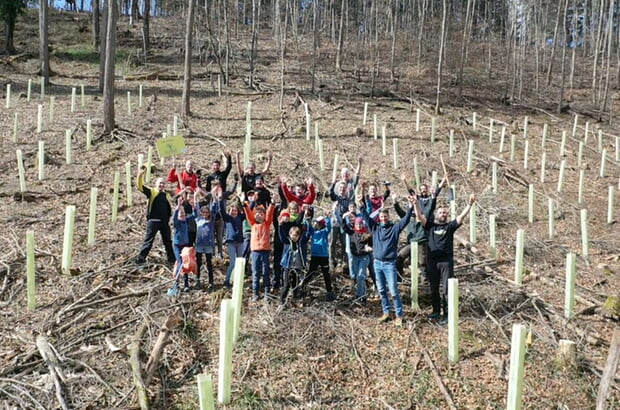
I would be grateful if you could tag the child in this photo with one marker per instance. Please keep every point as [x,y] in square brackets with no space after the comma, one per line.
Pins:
[234,238]
[180,240]
[294,257]
[319,251]
[260,221]
[361,251]
[205,236]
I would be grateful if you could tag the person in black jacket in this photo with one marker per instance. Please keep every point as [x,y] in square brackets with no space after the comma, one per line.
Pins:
[441,255]
[158,216]
[415,231]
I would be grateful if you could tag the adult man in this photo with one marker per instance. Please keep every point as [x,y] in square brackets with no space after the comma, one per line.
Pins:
[249,175]
[216,172]
[416,234]
[158,216]
[385,235]
[440,261]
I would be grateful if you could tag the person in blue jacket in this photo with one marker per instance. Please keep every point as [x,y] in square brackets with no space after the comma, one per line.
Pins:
[233,220]
[385,235]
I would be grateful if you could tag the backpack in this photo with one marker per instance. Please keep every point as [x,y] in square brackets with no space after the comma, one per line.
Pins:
[188,261]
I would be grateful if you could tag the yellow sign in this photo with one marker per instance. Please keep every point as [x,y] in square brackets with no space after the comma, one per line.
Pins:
[170,146]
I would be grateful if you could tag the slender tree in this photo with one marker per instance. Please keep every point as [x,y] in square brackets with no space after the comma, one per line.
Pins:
[146,22]
[108,83]
[9,10]
[44,51]
[340,36]
[187,72]
[95,22]
[442,45]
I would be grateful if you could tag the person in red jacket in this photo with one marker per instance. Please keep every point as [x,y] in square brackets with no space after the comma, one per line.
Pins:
[186,178]
[302,193]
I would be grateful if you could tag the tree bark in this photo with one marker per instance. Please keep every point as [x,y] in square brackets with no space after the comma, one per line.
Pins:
[108,82]
[44,51]
[442,44]
[95,22]
[340,36]
[146,27]
[102,47]
[187,73]
[9,29]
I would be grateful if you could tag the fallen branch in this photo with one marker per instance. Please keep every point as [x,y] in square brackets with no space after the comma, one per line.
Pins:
[51,359]
[610,370]
[436,375]
[162,340]
[136,368]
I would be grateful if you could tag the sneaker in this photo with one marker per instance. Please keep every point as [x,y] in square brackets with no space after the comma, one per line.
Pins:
[197,286]
[140,261]
[211,287]
[227,285]
[384,318]
[433,316]
[255,298]
[330,297]
[186,289]
[398,322]
[444,320]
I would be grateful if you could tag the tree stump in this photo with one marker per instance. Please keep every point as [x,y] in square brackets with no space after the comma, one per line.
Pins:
[566,355]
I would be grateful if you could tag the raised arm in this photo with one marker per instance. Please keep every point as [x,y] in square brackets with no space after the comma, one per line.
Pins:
[268,163]
[462,215]
[403,177]
[239,164]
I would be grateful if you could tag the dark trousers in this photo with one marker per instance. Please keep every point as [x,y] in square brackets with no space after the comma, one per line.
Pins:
[209,258]
[318,264]
[439,271]
[277,257]
[152,227]
[291,280]
[337,247]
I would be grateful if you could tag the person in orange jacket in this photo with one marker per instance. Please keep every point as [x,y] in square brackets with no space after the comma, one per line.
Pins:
[260,220]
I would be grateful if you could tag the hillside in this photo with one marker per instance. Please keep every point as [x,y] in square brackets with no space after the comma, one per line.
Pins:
[312,353]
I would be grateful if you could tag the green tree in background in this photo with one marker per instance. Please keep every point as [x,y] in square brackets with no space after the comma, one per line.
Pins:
[9,10]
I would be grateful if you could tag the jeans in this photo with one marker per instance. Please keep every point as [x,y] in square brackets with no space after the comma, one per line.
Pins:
[337,247]
[359,266]
[219,235]
[235,250]
[260,268]
[152,227]
[386,275]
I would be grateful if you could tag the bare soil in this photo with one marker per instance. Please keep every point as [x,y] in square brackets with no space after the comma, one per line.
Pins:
[311,354]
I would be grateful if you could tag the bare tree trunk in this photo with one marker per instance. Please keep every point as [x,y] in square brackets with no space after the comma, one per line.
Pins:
[563,69]
[96,27]
[555,41]
[610,29]
[442,44]
[597,50]
[464,44]
[133,17]
[282,54]
[315,43]
[108,84]
[102,47]
[187,73]
[340,36]
[44,51]
[146,28]
[255,24]
[393,52]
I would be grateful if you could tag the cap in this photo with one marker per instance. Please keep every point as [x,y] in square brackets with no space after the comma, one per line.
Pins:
[285,214]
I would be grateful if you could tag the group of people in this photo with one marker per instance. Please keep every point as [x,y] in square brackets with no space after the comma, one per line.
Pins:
[356,233]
